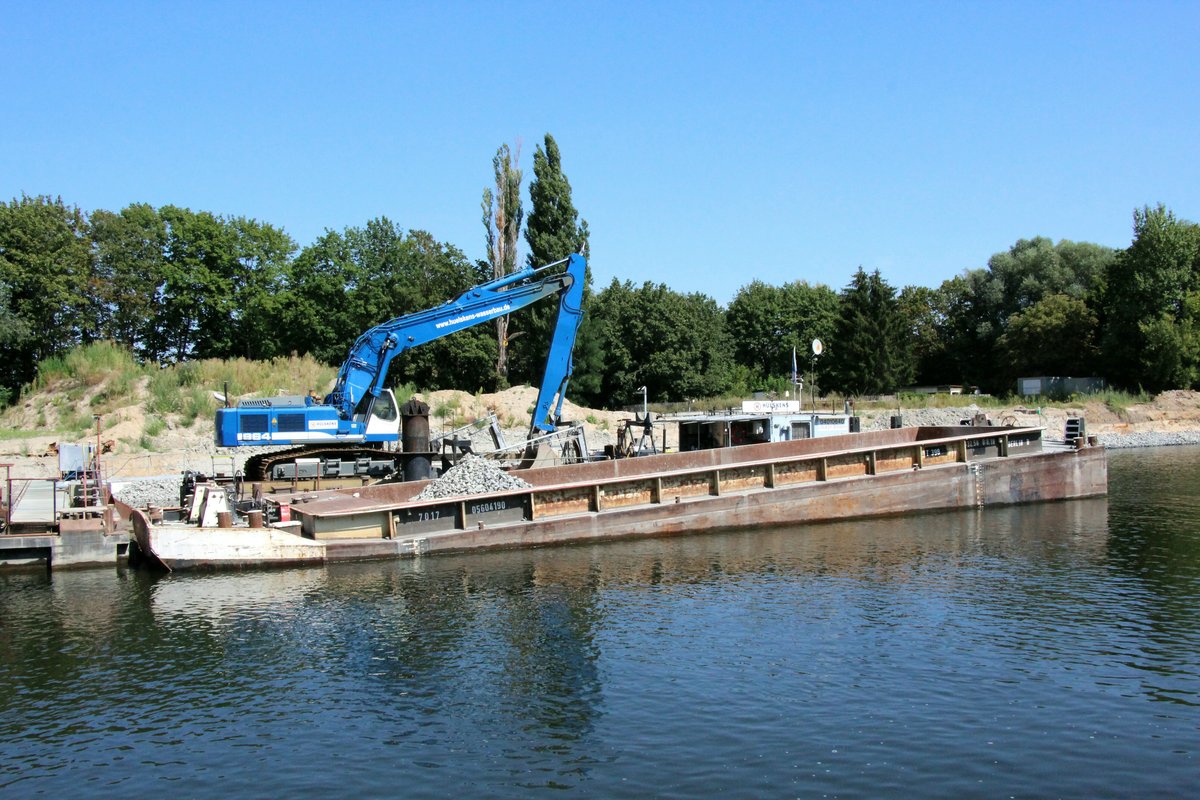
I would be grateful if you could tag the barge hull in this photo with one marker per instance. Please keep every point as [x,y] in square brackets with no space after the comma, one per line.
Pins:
[1050,476]
[866,475]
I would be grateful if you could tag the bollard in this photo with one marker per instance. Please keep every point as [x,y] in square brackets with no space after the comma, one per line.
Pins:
[254,519]
[417,463]
[224,519]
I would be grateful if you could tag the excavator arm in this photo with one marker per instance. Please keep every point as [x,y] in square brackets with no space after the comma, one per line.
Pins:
[362,376]
[359,415]
[559,362]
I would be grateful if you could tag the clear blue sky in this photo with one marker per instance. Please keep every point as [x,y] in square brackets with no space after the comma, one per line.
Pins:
[707,144]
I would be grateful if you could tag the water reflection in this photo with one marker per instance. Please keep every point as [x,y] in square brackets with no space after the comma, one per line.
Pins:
[978,645]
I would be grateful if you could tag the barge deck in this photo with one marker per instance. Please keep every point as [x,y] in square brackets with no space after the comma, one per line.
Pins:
[869,474]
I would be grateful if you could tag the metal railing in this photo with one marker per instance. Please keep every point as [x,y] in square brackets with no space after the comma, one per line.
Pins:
[13,498]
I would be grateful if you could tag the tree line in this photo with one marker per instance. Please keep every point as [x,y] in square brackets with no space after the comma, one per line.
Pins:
[172,284]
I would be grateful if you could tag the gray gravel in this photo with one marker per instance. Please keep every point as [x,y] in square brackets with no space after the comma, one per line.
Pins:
[1125,440]
[161,492]
[472,475]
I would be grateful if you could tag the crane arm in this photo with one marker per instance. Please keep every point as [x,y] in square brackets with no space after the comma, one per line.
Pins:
[361,377]
[559,362]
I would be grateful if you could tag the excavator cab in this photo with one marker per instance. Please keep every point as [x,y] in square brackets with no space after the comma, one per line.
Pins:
[384,419]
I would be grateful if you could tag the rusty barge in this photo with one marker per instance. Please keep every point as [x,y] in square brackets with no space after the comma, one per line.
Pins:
[877,473]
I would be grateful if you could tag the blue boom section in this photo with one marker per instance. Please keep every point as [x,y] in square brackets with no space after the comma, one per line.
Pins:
[559,362]
[344,415]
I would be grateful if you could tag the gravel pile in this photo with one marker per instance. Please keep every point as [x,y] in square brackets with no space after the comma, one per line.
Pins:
[160,492]
[1123,440]
[472,475]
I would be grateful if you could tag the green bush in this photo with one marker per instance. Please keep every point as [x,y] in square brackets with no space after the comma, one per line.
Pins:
[164,392]
[188,374]
[1119,402]
[117,393]
[447,409]
[196,402]
[77,423]
[89,364]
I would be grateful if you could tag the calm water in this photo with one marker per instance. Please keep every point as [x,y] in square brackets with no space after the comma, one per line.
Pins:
[1051,650]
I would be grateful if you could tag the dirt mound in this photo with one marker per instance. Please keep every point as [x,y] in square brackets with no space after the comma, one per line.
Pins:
[513,408]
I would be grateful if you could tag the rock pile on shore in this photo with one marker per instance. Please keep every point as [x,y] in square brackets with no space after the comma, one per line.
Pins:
[472,475]
[1120,441]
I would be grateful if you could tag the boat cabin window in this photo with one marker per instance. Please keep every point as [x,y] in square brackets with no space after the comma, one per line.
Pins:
[701,435]
[749,431]
[706,435]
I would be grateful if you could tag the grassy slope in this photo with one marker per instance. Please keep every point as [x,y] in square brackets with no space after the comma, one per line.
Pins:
[137,402]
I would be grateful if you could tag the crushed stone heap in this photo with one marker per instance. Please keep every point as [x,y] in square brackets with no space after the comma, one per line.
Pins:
[472,475]
[161,492]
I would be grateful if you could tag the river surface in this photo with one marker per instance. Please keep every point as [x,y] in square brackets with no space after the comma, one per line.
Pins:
[1050,650]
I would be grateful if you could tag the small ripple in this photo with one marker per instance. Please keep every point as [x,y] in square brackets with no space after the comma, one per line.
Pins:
[1040,651]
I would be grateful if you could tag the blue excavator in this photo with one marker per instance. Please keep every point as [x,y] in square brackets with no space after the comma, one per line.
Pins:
[355,429]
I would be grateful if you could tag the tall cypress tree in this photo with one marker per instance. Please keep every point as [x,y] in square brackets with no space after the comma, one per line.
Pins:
[553,232]
[871,352]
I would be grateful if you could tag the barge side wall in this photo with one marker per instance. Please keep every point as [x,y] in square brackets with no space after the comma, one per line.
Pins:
[1042,477]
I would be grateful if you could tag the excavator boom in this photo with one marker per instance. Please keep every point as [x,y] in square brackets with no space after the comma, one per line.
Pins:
[361,413]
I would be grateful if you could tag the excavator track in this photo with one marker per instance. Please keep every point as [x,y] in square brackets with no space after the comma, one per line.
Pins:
[259,467]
